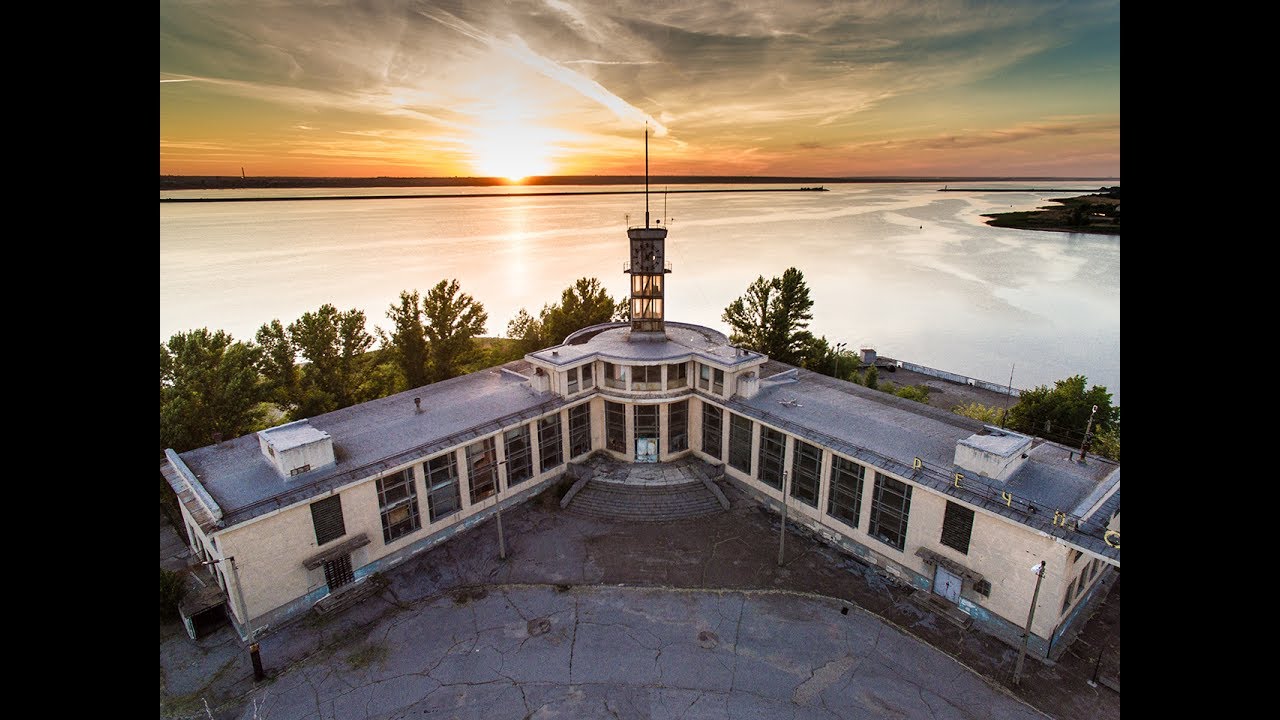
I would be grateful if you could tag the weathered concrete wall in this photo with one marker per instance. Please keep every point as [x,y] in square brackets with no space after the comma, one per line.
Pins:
[962,379]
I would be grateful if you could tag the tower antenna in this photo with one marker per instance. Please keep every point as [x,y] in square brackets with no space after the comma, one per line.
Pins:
[646,174]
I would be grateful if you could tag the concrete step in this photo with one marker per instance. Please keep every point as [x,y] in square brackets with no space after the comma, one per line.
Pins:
[644,503]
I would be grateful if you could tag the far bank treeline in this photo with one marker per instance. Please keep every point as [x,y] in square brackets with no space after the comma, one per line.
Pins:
[215,387]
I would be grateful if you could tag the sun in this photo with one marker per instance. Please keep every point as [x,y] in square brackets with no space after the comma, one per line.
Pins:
[510,151]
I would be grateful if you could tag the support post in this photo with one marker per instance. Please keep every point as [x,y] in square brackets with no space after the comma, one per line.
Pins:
[1026,634]
[782,532]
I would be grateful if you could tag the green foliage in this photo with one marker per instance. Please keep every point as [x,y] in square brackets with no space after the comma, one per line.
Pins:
[172,587]
[208,384]
[278,363]
[1061,413]
[334,344]
[368,655]
[872,378]
[452,320]
[408,339]
[821,357]
[986,413]
[919,393]
[1107,443]
[772,316]
[583,304]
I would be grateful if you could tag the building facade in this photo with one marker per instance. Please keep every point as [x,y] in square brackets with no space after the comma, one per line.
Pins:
[311,509]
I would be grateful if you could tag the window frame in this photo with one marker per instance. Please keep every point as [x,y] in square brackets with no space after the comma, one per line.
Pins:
[955,524]
[716,436]
[482,470]
[678,433]
[839,490]
[519,459]
[811,472]
[407,503]
[439,479]
[318,518]
[771,457]
[579,430]
[882,514]
[554,442]
[737,451]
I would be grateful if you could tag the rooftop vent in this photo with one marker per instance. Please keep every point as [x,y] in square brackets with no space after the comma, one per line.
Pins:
[417,404]
[296,448]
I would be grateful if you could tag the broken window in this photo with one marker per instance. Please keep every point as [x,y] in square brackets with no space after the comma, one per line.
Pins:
[549,442]
[890,508]
[806,473]
[579,430]
[482,469]
[845,499]
[677,375]
[398,500]
[740,443]
[615,426]
[443,498]
[678,426]
[773,445]
[712,430]
[519,455]
[646,421]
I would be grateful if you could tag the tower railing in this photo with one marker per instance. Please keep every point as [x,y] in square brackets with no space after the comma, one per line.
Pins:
[666,267]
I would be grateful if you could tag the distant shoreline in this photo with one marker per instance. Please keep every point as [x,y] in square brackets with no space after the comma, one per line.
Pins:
[1097,213]
[476,195]
[230,182]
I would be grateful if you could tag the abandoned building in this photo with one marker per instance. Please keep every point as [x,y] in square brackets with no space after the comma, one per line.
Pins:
[311,509]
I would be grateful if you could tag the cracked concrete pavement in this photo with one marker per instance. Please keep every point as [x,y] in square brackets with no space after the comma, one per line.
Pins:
[694,633]
[615,652]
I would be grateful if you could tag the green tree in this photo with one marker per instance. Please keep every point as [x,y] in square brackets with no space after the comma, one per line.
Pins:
[333,343]
[988,414]
[821,357]
[452,321]
[919,393]
[772,317]
[1062,412]
[408,339]
[278,363]
[527,332]
[583,304]
[872,378]
[208,384]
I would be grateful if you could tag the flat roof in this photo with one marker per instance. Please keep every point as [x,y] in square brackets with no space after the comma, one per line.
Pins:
[999,442]
[888,432]
[611,341]
[368,438]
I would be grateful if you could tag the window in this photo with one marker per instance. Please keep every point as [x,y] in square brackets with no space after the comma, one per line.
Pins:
[983,588]
[957,527]
[1075,556]
[1066,600]
[806,473]
[549,441]
[710,379]
[712,430]
[482,469]
[646,377]
[443,498]
[740,443]
[677,375]
[326,516]
[890,507]
[646,421]
[615,376]
[845,500]
[579,430]
[519,455]
[398,500]
[337,572]
[773,444]
[579,378]
[615,426]
[678,426]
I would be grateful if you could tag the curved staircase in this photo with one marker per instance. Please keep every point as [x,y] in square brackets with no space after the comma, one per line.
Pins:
[644,503]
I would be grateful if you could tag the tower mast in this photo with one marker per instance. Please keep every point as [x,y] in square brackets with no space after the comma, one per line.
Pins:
[646,174]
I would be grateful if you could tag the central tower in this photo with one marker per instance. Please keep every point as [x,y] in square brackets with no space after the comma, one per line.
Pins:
[647,269]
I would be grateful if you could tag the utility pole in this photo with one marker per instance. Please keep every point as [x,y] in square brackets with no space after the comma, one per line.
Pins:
[1026,634]
[1085,442]
[1008,396]
[502,544]
[835,370]
[782,533]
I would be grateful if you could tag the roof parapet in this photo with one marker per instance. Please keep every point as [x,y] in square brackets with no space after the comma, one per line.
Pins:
[193,483]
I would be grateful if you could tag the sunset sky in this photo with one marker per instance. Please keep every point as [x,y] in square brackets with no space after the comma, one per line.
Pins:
[541,87]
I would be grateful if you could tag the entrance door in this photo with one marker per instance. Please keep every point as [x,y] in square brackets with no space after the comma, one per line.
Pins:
[646,450]
[947,584]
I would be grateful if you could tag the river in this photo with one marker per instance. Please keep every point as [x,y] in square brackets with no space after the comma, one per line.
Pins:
[899,267]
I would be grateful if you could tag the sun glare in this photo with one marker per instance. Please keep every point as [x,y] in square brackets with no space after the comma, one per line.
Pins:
[511,152]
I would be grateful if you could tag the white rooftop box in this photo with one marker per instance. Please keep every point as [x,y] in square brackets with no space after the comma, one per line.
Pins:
[296,447]
[995,453]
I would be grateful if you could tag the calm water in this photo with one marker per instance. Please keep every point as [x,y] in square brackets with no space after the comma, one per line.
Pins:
[899,267]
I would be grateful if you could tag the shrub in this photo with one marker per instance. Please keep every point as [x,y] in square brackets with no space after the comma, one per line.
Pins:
[172,587]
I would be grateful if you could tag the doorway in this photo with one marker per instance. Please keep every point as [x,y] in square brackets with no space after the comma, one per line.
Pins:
[947,584]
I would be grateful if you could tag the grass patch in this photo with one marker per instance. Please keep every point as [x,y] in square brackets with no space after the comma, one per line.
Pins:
[367,655]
